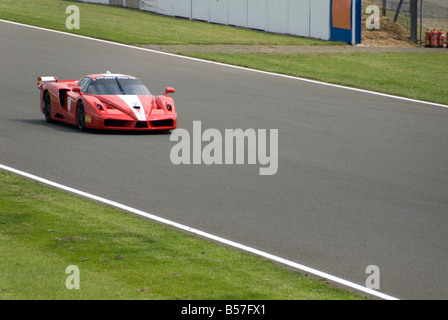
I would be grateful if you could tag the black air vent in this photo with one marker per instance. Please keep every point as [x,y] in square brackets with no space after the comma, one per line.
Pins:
[114,123]
[162,123]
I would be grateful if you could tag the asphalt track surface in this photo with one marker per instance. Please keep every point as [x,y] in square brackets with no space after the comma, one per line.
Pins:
[362,179]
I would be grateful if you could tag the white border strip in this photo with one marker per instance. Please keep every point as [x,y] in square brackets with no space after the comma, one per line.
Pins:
[200,233]
[230,66]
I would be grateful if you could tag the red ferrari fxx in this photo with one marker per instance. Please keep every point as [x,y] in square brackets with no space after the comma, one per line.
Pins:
[106,102]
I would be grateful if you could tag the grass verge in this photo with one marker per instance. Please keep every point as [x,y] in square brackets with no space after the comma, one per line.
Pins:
[119,256]
[411,75]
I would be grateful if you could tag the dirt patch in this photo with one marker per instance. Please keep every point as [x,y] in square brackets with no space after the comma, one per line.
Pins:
[390,34]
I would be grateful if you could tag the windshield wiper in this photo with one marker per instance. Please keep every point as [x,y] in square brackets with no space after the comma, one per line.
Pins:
[120,87]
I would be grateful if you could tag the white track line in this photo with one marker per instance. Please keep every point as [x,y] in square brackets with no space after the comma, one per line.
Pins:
[201,233]
[228,65]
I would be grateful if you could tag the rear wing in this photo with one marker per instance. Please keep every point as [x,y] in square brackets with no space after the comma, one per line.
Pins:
[41,81]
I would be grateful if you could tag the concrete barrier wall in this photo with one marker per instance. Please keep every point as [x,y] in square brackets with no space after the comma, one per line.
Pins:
[306,18]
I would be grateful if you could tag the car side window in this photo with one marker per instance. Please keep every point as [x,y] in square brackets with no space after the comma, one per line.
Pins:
[84,84]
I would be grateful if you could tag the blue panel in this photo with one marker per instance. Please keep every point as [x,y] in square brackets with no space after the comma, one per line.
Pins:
[343,35]
[358,22]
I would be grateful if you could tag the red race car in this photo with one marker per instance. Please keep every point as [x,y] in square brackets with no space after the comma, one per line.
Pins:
[106,102]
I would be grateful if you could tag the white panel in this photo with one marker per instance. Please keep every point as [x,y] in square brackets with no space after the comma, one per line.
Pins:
[165,7]
[278,16]
[149,5]
[219,11]
[238,13]
[257,14]
[320,19]
[182,8]
[299,17]
[200,10]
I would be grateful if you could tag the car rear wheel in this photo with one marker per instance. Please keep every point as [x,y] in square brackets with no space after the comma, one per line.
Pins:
[47,107]
[81,117]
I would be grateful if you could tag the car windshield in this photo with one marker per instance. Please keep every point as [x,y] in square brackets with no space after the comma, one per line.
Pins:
[117,86]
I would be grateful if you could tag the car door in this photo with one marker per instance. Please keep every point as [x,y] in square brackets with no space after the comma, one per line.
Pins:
[73,98]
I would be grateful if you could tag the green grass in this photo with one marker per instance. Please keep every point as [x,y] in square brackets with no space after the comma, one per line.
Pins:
[419,76]
[411,75]
[132,26]
[121,256]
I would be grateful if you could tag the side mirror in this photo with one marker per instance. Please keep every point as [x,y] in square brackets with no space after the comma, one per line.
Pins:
[169,90]
[76,89]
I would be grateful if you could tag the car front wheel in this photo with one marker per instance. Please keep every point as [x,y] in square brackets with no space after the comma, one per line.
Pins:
[81,117]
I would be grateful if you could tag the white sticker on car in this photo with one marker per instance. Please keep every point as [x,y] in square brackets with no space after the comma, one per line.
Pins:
[134,103]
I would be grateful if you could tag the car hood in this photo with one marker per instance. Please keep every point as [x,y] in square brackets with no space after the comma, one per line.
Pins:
[138,107]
